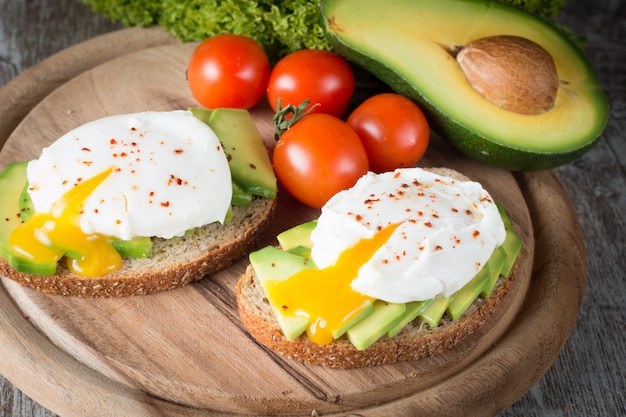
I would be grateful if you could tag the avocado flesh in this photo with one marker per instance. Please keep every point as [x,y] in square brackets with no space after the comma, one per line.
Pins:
[462,299]
[383,317]
[12,180]
[413,310]
[409,45]
[248,159]
[435,311]
[297,236]
[138,247]
[273,263]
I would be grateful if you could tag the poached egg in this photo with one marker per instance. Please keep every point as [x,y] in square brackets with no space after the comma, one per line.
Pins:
[401,236]
[445,232]
[149,174]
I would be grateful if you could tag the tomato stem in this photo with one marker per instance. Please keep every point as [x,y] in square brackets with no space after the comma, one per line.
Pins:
[287,116]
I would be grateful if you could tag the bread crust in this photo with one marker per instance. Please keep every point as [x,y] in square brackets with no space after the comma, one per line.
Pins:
[417,340]
[174,262]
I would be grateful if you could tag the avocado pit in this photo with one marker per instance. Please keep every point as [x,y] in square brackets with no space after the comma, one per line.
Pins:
[511,72]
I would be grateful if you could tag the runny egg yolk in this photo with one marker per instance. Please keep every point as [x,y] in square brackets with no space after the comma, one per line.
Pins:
[47,237]
[324,296]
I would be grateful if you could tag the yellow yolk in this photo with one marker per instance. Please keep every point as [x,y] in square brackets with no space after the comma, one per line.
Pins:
[324,296]
[46,237]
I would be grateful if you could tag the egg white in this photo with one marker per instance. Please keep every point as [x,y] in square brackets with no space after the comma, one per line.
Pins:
[170,174]
[447,231]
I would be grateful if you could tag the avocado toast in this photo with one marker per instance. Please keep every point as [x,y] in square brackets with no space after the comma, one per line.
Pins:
[382,332]
[148,263]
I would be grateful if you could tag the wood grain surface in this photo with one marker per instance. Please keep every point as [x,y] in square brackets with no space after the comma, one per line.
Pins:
[584,380]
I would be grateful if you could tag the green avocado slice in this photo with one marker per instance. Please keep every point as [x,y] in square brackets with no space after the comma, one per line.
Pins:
[12,180]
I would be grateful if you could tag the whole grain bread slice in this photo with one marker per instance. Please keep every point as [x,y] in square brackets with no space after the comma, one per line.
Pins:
[173,262]
[416,340]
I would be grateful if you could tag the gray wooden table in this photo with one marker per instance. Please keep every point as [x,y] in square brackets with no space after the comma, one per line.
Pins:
[589,376]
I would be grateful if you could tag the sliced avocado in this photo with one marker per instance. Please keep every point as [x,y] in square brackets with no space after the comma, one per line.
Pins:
[26,203]
[413,310]
[291,326]
[240,196]
[512,246]
[138,247]
[245,149]
[301,251]
[411,46]
[273,264]
[383,317]
[356,318]
[299,235]
[495,264]
[463,298]
[435,311]
[12,180]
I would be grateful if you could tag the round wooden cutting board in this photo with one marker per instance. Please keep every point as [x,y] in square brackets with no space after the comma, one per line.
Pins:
[185,352]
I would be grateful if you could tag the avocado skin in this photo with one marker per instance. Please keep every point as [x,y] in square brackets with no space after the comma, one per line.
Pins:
[472,144]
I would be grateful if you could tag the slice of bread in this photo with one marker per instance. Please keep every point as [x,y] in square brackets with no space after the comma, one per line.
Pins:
[416,340]
[173,263]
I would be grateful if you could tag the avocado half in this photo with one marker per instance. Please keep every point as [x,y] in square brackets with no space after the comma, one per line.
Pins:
[410,44]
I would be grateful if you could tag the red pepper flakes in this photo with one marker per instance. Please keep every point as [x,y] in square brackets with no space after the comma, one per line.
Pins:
[178,151]
[165,204]
[475,234]
[86,150]
[113,142]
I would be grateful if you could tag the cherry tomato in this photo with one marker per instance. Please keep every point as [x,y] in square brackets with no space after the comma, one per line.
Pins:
[322,77]
[228,71]
[393,129]
[317,157]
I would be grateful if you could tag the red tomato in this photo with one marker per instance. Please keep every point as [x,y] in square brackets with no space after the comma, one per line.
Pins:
[322,77]
[228,71]
[317,157]
[393,129]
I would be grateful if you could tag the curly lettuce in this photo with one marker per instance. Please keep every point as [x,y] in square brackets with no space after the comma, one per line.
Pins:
[280,26]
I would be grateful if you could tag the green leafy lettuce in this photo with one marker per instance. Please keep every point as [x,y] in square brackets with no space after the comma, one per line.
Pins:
[280,26]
